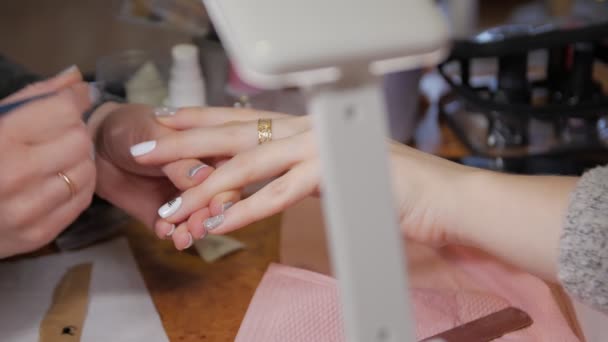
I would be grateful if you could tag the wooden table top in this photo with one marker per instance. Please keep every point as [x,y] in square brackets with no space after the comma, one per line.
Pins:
[198,301]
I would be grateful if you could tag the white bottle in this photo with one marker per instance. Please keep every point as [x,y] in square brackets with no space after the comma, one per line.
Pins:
[186,84]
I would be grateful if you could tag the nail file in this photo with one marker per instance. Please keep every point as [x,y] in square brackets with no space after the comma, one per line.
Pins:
[64,320]
[487,328]
[214,247]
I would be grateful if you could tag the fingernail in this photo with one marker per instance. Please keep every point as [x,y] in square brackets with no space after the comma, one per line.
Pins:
[70,69]
[190,241]
[226,206]
[196,169]
[165,111]
[205,233]
[170,207]
[94,93]
[171,231]
[143,148]
[213,222]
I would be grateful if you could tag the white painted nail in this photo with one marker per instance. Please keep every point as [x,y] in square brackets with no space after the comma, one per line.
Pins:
[171,231]
[165,111]
[170,207]
[213,222]
[143,148]
[70,69]
[196,169]
[190,241]
[94,93]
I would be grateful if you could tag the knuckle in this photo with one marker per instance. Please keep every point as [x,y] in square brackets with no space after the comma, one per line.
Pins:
[240,162]
[40,235]
[243,166]
[81,141]
[11,182]
[279,189]
[235,137]
[67,106]
[9,220]
[175,146]
[17,217]
[8,182]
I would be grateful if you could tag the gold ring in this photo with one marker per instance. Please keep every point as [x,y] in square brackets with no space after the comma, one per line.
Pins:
[264,131]
[69,182]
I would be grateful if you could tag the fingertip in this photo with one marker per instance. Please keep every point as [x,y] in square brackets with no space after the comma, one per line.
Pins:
[189,117]
[198,173]
[66,77]
[80,93]
[71,70]
[195,223]
[167,121]
[187,173]
[223,201]
[165,113]
[169,117]
[139,150]
[164,229]
[182,239]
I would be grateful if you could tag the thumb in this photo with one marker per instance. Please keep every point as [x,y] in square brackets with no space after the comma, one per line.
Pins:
[65,78]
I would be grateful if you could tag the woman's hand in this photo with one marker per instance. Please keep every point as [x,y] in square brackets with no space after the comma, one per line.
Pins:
[516,218]
[38,141]
[137,189]
[421,180]
[141,189]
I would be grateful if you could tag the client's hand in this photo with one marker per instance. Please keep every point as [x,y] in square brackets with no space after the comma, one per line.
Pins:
[421,181]
[517,218]
[137,189]
[141,189]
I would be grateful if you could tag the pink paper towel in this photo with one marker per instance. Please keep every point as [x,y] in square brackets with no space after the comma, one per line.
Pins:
[293,305]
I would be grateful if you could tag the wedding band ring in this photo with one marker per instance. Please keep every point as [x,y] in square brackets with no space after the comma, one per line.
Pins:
[69,182]
[264,131]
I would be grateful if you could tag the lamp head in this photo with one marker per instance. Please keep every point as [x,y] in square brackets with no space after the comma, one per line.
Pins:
[277,43]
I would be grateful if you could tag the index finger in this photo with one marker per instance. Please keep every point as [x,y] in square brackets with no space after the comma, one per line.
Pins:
[64,79]
[186,118]
[214,141]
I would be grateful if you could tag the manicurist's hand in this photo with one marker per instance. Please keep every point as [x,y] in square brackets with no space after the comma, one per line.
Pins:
[49,175]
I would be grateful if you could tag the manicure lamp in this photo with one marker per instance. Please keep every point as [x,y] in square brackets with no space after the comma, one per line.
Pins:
[336,50]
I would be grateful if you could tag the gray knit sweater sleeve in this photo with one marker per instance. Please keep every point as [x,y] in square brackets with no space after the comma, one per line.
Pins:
[583,257]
